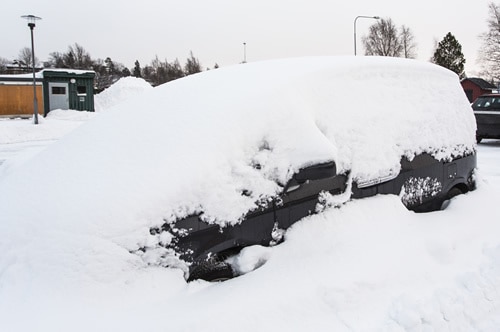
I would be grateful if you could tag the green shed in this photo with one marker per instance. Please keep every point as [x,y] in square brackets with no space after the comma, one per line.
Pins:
[68,89]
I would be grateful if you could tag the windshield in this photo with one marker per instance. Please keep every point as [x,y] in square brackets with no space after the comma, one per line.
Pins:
[487,102]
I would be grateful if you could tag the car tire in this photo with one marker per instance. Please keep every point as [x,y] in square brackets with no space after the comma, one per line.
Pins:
[214,269]
[452,193]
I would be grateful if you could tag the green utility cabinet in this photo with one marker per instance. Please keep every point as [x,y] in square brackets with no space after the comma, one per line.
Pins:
[68,89]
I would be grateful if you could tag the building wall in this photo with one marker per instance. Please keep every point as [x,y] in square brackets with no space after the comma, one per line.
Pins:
[17,99]
[472,90]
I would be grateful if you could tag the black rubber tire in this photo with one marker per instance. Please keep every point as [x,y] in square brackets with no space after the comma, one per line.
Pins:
[213,269]
[452,193]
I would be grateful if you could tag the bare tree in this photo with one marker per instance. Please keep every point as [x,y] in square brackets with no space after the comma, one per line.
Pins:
[56,60]
[193,65]
[78,58]
[383,39]
[408,42]
[489,53]
[3,65]
[24,58]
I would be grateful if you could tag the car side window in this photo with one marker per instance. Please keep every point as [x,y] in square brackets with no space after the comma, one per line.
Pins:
[486,102]
[479,103]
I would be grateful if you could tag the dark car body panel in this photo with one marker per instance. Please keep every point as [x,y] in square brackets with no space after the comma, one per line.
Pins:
[196,241]
[487,112]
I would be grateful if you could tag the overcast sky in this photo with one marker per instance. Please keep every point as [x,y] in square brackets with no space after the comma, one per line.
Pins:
[215,30]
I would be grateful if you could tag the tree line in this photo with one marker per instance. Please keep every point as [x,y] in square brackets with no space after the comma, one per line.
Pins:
[107,71]
[383,39]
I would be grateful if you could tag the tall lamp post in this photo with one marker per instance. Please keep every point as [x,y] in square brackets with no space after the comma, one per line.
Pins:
[244,52]
[361,16]
[31,23]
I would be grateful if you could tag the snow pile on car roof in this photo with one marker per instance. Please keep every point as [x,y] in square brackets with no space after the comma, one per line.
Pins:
[196,144]
[122,90]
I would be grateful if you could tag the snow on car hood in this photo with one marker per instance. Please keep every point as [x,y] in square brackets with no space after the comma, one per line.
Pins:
[197,143]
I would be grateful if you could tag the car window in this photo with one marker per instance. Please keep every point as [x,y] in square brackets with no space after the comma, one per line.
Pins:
[486,102]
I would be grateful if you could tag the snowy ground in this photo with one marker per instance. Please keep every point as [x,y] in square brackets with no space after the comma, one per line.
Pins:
[370,265]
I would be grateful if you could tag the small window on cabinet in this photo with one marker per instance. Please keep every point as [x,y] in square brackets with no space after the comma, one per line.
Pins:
[58,90]
[81,89]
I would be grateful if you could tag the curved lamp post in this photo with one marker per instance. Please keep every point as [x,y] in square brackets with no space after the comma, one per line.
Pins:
[31,23]
[361,16]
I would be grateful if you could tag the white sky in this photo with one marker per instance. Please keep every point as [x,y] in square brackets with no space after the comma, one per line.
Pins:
[215,30]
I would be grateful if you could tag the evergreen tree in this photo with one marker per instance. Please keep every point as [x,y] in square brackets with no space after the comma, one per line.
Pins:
[110,66]
[137,69]
[449,54]
[125,72]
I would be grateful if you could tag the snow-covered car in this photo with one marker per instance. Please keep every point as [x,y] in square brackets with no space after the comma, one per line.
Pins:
[423,183]
[487,112]
[376,144]
[187,173]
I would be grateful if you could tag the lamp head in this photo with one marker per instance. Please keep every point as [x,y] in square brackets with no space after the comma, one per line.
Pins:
[31,20]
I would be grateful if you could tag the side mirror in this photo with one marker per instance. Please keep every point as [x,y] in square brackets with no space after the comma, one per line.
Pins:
[316,172]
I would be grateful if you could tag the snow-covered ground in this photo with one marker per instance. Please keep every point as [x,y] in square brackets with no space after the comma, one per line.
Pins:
[370,265]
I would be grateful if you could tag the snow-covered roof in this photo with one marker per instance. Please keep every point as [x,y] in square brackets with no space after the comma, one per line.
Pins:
[69,71]
[483,84]
[40,73]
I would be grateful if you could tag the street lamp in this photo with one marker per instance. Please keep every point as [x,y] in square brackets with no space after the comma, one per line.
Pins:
[31,23]
[361,16]
[244,52]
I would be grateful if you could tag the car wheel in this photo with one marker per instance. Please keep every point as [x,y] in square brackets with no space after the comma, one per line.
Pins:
[452,193]
[213,269]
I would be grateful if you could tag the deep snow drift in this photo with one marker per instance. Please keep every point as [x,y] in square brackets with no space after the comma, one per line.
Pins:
[71,214]
[124,89]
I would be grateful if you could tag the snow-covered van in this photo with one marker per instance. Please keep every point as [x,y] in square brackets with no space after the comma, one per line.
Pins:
[289,138]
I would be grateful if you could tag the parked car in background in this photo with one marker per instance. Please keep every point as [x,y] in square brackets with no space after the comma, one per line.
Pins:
[487,112]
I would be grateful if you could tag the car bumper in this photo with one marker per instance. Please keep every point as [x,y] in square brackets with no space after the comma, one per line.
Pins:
[488,124]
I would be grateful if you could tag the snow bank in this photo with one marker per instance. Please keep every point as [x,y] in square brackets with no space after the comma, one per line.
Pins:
[122,90]
[57,124]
